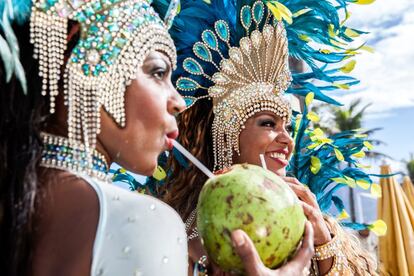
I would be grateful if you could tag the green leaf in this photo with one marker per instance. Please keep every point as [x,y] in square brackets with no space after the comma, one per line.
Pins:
[351,33]
[362,166]
[379,227]
[363,184]
[368,145]
[360,154]
[376,190]
[343,215]
[347,68]
[280,11]
[315,164]
[345,180]
[309,98]
[339,155]
[313,117]
[159,173]
[363,2]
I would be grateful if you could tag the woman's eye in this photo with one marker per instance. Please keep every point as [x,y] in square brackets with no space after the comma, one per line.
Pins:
[159,74]
[267,123]
[289,128]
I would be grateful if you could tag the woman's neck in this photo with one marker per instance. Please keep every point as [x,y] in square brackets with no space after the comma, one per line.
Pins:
[61,153]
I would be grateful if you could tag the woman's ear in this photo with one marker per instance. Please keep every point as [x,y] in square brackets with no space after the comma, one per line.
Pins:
[73,29]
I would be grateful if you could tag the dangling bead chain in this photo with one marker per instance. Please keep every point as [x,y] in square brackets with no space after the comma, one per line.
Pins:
[188,223]
[58,153]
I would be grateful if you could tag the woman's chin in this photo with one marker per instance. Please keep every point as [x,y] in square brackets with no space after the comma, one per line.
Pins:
[279,171]
[143,166]
[148,170]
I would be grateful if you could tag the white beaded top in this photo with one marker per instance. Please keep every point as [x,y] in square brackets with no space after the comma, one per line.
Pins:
[137,235]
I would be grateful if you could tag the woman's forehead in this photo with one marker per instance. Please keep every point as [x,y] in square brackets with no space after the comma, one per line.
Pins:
[265,112]
[157,55]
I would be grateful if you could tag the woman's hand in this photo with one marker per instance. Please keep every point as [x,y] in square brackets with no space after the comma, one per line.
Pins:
[311,209]
[313,213]
[299,265]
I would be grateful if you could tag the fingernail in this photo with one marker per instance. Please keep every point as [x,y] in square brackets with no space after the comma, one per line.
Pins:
[238,239]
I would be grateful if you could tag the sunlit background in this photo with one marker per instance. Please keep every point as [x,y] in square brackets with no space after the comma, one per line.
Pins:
[387,76]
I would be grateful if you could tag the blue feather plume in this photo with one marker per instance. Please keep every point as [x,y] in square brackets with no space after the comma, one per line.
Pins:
[314,22]
[13,11]
[334,174]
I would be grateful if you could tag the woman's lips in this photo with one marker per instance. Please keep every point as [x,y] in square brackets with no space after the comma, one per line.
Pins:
[169,138]
[173,134]
[279,157]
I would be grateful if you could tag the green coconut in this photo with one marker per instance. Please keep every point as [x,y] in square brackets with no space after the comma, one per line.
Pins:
[257,201]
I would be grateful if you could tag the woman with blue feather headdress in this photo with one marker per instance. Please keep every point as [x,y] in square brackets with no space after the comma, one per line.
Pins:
[234,71]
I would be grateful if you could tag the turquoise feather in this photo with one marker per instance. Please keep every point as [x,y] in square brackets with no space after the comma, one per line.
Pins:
[321,184]
[10,51]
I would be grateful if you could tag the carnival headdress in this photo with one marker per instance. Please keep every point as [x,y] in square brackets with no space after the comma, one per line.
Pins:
[115,38]
[236,52]
[251,78]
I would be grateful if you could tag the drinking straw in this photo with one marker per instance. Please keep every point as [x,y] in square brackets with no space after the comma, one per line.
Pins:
[263,161]
[191,157]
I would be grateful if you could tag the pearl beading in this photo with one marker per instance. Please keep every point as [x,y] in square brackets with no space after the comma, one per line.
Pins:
[116,36]
[251,79]
[58,153]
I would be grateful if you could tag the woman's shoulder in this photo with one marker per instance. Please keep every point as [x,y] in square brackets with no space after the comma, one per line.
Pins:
[138,233]
[126,231]
[65,225]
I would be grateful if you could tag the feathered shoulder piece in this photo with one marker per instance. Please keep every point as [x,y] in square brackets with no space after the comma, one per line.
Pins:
[12,11]
[327,163]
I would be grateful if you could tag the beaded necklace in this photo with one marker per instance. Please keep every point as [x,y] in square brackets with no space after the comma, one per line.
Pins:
[58,153]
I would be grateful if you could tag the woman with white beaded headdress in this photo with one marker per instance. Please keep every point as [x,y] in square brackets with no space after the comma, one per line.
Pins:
[92,87]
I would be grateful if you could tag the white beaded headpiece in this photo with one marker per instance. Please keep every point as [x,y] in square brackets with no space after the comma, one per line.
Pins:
[252,78]
[116,36]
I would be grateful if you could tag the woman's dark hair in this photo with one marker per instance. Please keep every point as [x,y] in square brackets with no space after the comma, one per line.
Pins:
[21,117]
[184,185]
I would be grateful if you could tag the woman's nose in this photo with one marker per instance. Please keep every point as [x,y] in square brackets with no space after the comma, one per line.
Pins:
[176,103]
[283,136]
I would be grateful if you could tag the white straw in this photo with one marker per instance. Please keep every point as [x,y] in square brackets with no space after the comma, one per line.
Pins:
[191,157]
[263,161]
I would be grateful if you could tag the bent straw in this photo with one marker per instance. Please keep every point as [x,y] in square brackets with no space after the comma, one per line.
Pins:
[191,157]
[263,161]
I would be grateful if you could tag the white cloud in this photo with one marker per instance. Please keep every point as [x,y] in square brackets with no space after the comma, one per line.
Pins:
[364,16]
[387,76]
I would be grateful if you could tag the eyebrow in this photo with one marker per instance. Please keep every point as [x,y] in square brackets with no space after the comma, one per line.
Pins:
[158,55]
[266,113]
[167,62]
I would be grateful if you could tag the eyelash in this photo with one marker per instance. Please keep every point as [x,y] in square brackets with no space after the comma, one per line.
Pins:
[270,123]
[267,123]
[157,72]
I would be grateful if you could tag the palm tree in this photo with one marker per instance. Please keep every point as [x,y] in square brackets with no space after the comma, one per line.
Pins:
[350,118]
[410,167]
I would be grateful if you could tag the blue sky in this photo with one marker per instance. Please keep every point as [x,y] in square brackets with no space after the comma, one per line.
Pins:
[387,75]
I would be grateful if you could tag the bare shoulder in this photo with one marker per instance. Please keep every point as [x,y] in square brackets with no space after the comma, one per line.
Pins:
[66,224]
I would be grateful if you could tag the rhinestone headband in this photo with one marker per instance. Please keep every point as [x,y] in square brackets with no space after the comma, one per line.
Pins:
[116,36]
[252,78]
